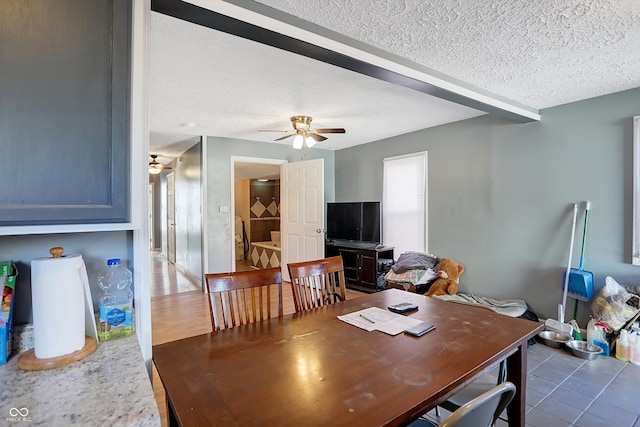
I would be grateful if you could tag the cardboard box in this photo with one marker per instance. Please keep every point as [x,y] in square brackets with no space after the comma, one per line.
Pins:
[8,275]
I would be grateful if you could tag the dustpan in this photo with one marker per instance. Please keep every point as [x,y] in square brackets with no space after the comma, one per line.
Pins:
[581,281]
[559,325]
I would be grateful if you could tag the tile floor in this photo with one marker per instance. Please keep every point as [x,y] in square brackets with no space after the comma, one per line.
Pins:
[564,391]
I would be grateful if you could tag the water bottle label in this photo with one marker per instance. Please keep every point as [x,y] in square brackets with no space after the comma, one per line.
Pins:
[115,317]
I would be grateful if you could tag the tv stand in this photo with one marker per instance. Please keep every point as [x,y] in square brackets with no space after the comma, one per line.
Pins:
[361,262]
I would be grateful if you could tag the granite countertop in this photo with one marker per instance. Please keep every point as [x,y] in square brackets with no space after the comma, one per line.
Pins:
[110,387]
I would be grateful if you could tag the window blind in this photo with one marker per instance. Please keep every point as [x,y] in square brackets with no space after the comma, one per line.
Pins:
[404,203]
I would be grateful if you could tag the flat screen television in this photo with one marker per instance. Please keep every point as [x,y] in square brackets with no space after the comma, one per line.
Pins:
[358,221]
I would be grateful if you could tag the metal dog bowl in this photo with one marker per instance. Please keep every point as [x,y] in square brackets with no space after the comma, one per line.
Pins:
[583,349]
[553,339]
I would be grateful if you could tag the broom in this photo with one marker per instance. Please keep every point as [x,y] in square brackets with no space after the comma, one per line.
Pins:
[559,325]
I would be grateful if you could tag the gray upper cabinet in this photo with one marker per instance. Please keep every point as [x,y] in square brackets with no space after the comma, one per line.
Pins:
[64,111]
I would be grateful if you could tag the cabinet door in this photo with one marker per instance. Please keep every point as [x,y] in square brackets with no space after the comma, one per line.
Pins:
[350,261]
[64,113]
[368,271]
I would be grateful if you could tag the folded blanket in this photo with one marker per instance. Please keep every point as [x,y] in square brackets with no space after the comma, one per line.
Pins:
[413,277]
[512,308]
[414,261]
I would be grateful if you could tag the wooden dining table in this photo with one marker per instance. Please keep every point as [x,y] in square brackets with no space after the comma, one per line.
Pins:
[312,369]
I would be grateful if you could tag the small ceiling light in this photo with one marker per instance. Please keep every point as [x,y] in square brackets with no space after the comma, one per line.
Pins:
[263,180]
[155,167]
[298,141]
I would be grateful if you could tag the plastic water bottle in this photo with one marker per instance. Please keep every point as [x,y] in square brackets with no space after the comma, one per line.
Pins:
[592,331]
[601,339]
[116,305]
[635,350]
[623,351]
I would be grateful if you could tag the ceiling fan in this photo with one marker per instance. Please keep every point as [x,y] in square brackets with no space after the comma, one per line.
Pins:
[155,167]
[303,132]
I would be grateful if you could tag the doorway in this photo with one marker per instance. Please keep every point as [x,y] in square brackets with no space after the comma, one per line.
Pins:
[255,212]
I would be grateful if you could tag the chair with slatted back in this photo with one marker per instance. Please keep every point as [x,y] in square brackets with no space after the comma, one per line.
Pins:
[243,297]
[317,283]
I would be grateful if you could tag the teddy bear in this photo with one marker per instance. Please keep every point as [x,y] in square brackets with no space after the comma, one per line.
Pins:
[447,281]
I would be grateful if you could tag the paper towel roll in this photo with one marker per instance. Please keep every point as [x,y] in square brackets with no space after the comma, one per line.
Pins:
[57,296]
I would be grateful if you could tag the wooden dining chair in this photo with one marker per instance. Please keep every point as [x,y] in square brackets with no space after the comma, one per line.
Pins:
[243,297]
[317,283]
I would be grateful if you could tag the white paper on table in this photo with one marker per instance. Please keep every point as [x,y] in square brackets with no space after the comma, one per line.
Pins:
[379,320]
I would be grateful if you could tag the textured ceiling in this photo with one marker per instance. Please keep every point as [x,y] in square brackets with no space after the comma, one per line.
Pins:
[540,54]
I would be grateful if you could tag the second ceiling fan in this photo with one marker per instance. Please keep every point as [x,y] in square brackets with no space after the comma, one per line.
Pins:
[303,132]
[155,167]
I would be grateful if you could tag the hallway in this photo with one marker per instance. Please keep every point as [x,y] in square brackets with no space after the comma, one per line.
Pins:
[166,279]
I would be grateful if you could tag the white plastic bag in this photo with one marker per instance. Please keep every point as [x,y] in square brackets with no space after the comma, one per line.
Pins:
[611,305]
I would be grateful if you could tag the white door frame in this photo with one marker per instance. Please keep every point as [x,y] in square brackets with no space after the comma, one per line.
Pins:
[232,208]
[171,215]
[150,208]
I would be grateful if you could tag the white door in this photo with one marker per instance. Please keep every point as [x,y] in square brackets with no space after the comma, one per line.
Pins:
[302,212]
[171,218]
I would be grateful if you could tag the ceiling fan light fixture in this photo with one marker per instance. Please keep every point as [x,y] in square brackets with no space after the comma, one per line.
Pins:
[298,141]
[154,170]
[301,123]
[310,141]
[303,134]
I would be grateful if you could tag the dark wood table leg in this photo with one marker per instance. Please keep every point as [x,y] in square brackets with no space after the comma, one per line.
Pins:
[517,374]
[172,421]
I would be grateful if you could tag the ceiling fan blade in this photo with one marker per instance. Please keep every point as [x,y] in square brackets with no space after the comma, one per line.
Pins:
[159,166]
[284,137]
[330,130]
[272,130]
[317,137]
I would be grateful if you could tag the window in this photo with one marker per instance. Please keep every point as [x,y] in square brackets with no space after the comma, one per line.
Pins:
[404,203]
[635,254]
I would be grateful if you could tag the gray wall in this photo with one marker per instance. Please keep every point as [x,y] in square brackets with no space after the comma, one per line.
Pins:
[500,193]
[188,198]
[218,163]
[95,249]
[156,210]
